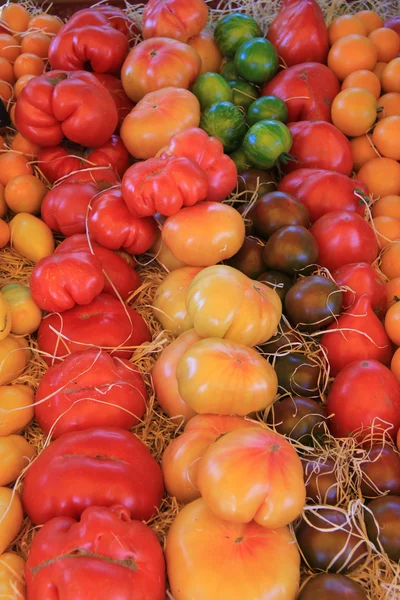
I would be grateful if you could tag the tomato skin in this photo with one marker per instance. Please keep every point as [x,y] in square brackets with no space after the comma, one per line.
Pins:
[104,323]
[56,162]
[392,320]
[176,19]
[362,279]
[323,191]
[364,392]
[114,85]
[94,556]
[12,574]
[207,49]
[80,392]
[72,104]
[111,225]
[64,208]
[113,153]
[319,145]
[163,186]
[344,237]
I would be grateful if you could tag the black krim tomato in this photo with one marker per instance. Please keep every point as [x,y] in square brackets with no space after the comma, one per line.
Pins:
[275,210]
[298,374]
[329,541]
[243,209]
[297,418]
[322,485]
[332,586]
[284,341]
[313,302]
[254,180]
[291,249]
[381,471]
[386,514]
[249,259]
[280,282]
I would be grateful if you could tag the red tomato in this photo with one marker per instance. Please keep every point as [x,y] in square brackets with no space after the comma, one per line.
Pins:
[361,279]
[56,162]
[91,36]
[365,393]
[62,104]
[112,225]
[343,238]
[177,19]
[208,153]
[319,145]
[114,85]
[105,323]
[324,191]
[101,175]
[112,154]
[163,185]
[307,89]
[103,555]
[90,389]
[97,466]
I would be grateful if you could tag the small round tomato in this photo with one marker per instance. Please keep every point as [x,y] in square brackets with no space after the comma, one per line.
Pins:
[392,323]
[31,237]
[16,408]
[354,111]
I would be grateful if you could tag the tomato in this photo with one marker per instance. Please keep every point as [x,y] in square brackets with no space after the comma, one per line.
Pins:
[354,111]
[331,586]
[365,393]
[105,323]
[72,104]
[174,19]
[5,318]
[13,164]
[123,104]
[157,63]
[266,142]
[156,118]
[14,356]
[16,406]
[319,145]
[120,465]
[57,162]
[65,207]
[226,122]
[240,159]
[256,558]
[207,49]
[249,260]
[297,418]
[228,70]
[256,60]
[163,255]
[249,315]
[299,33]
[90,389]
[12,575]
[204,234]
[291,249]
[343,238]
[358,279]
[30,237]
[15,454]
[392,323]
[11,516]
[233,30]
[102,553]
[224,377]
[91,38]
[111,154]
[163,185]
[210,88]
[380,471]
[267,108]
[393,23]
[381,525]
[324,191]
[243,93]
[298,373]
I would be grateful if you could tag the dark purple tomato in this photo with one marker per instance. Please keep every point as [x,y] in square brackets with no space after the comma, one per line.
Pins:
[381,472]
[386,511]
[254,180]
[321,481]
[276,210]
[249,259]
[298,374]
[332,586]
[313,302]
[282,342]
[328,541]
[298,418]
[291,249]
[280,282]
[248,223]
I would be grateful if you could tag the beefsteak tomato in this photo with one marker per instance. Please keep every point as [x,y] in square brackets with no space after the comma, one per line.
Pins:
[360,279]
[96,466]
[114,85]
[176,19]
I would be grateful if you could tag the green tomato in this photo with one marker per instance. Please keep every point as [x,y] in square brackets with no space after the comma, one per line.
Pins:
[243,93]
[210,88]
[265,142]
[226,122]
[239,158]
[267,108]
[256,60]
[234,29]
[228,70]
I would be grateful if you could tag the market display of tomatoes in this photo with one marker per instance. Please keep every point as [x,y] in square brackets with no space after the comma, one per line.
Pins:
[200,301]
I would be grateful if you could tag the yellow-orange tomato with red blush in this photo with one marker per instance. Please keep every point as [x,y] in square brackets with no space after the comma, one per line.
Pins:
[205,46]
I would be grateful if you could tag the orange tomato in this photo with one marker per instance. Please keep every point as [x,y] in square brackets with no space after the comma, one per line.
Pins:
[381,176]
[6,92]
[28,64]
[6,71]
[362,150]
[392,323]
[176,19]
[12,114]
[386,137]
[25,193]
[387,229]
[20,144]
[390,261]
[11,516]
[209,558]
[345,25]
[181,458]
[388,206]
[5,233]
[378,70]
[16,17]
[15,454]
[390,105]
[13,164]
[207,49]
[9,48]
[164,256]
[164,377]
[204,234]
[221,377]
[391,76]
[370,19]
[12,575]
[366,80]
[354,111]
[352,53]
[21,83]
[387,43]
[156,118]
[16,407]
[3,205]
[392,291]
[395,368]
[31,237]
[44,22]
[14,356]
[36,43]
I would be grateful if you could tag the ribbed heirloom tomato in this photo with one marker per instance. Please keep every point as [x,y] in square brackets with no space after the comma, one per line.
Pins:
[177,19]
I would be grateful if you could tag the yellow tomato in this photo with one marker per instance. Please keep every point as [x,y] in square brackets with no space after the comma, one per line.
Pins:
[5,318]
[15,454]
[25,314]
[14,356]
[12,576]
[16,408]
[31,237]
[170,300]
[11,516]
[164,256]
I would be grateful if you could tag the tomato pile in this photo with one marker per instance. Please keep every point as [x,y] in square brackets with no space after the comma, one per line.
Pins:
[254,171]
